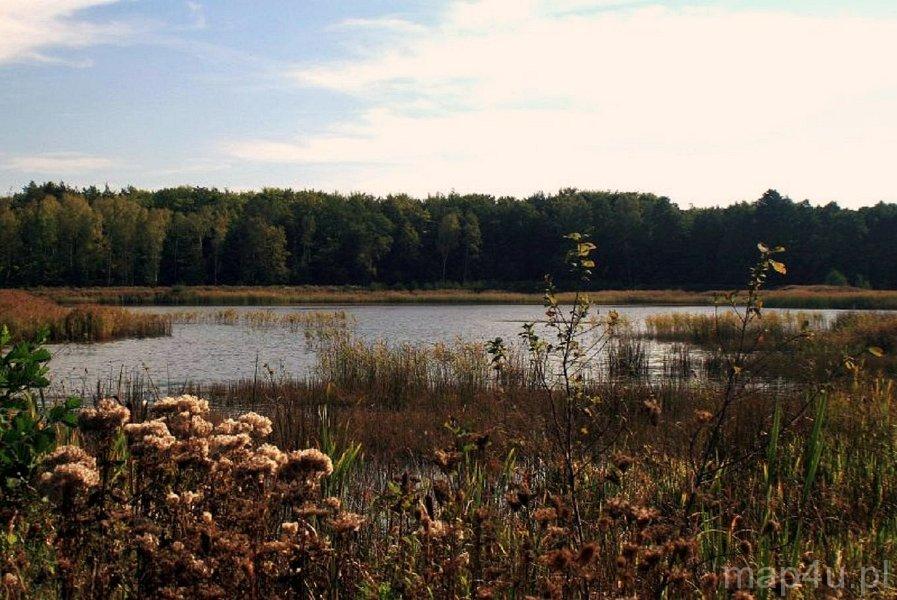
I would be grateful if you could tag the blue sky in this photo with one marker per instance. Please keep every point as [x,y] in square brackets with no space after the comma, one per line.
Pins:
[706,102]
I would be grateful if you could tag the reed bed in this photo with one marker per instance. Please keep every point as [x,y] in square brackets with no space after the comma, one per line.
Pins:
[262,319]
[872,336]
[394,375]
[808,297]
[725,326]
[26,315]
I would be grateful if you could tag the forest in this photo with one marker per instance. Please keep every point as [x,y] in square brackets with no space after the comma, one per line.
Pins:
[54,234]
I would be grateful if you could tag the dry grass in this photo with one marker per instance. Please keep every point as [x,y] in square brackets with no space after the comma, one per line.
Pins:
[786,297]
[437,478]
[724,327]
[262,319]
[467,503]
[26,314]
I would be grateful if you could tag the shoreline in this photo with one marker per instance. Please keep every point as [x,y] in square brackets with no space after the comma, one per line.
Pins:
[819,297]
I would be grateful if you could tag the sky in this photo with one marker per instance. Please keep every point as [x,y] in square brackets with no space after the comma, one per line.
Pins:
[706,102]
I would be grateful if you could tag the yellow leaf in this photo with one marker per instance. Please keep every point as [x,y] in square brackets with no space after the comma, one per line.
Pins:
[778,267]
[585,247]
[876,351]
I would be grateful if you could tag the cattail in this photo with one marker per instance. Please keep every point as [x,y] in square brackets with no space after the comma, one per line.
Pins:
[735,524]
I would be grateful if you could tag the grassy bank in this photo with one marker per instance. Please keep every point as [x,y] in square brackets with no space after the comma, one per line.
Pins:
[786,297]
[25,314]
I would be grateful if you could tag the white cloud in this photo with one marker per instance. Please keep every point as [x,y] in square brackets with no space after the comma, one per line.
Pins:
[29,27]
[706,105]
[198,12]
[57,163]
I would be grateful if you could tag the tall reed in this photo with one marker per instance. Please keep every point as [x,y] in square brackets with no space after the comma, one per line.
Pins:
[27,314]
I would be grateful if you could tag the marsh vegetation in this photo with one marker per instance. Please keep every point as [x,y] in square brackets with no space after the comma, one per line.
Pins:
[761,463]
[29,316]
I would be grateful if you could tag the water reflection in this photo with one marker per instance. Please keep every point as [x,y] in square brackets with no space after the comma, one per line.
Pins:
[208,352]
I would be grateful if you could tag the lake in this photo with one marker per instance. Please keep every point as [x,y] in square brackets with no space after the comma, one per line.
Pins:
[206,352]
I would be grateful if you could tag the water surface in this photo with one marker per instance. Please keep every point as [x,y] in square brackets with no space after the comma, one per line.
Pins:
[210,353]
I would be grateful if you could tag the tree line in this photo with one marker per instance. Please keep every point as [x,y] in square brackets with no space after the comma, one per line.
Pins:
[53,234]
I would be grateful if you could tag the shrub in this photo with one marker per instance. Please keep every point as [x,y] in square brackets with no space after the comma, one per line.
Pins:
[836,278]
[27,430]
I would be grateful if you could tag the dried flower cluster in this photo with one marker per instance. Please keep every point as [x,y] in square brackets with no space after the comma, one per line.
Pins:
[192,509]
